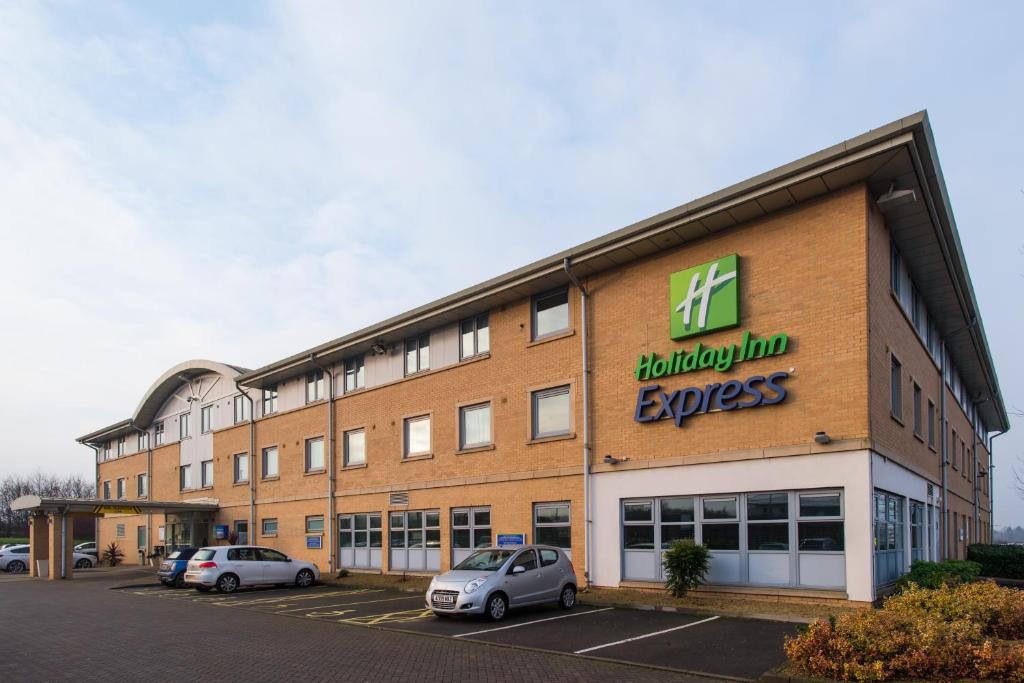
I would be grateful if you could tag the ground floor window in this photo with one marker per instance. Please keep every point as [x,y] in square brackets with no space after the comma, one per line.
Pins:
[414,540]
[140,537]
[552,525]
[242,532]
[772,538]
[471,528]
[917,531]
[890,527]
[360,538]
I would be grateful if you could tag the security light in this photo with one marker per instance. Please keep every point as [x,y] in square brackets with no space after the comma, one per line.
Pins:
[893,198]
[378,349]
[822,438]
[612,460]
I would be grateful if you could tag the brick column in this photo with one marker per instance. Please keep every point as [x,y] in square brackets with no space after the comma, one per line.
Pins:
[56,542]
[38,540]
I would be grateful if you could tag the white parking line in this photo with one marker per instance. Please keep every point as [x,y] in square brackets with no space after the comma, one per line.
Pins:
[647,635]
[535,621]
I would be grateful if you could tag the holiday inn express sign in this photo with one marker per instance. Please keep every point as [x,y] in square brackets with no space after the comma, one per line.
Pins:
[703,299]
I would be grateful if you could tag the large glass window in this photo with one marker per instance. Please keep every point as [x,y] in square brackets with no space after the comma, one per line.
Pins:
[475,425]
[315,454]
[820,525]
[355,374]
[360,531]
[417,436]
[721,529]
[552,524]
[471,528]
[417,354]
[270,462]
[415,529]
[314,386]
[638,525]
[474,336]
[768,521]
[355,447]
[917,531]
[675,520]
[550,313]
[551,412]
[889,536]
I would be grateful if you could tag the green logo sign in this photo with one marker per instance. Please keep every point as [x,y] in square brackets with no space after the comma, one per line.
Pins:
[705,297]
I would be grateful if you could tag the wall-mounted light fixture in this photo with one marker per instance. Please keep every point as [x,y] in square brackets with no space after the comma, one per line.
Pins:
[822,438]
[612,460]
[893,198]
[378,349]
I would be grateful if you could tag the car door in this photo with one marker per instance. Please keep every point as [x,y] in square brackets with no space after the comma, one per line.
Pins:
[552,573]
[276,566]
[245,564]
[524,587]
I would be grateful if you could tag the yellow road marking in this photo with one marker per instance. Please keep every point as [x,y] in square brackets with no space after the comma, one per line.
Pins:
[341,604]
[306,596]
[389,617]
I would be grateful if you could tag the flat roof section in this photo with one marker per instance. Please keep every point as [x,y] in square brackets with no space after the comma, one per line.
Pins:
[90,505]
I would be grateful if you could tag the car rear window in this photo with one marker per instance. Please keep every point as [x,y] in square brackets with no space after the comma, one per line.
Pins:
[204,555]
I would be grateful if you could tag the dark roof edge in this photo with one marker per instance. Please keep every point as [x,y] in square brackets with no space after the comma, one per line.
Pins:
[109,430]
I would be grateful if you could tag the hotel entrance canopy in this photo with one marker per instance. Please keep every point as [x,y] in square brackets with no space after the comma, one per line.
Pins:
[37,505]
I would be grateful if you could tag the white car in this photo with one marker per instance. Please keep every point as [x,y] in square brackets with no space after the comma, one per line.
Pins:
[226,567]
[14,559]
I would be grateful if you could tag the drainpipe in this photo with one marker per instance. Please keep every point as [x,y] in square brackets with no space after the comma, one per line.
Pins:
[96,494]
[149,482]
[252,463]
[943,445]
[587,522]
[330,462]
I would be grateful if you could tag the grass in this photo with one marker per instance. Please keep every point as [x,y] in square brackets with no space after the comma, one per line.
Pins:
[711,603]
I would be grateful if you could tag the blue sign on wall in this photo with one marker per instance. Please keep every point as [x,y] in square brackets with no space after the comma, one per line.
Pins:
[314,542]
[511,539]
[221,531]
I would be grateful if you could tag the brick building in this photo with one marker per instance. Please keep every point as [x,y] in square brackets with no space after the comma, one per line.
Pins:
[792,371]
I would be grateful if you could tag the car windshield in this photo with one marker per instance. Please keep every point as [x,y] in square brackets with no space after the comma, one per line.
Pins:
[175,555]
[485,560]
[204,555]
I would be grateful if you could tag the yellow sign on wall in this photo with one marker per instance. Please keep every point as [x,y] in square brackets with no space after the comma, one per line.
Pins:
[117,510]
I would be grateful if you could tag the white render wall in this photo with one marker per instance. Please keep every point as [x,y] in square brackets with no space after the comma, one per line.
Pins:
[850,471]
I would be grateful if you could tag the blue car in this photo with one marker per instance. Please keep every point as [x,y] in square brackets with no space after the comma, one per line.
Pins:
[172,569]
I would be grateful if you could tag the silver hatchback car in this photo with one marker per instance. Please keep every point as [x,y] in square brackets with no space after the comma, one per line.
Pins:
[492,580]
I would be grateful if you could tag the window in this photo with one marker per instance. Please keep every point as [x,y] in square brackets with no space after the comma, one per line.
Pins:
[120,530]
[241,467]
[415,529]
[638,525]
[158,433]
[206,473]
[917,410]
[142,486]
[314,386]
[551,416]
[206,419]
[120,445]
[768,521]
[355,373]
[471,528]
[184,426]
[931,423]
[315,454]
[417,354]
[106,451]
[896,388]
[355,447]
[185,477]
[242,531]
[270,462]
[915,307]
[527,560]
[474,337]
[121,485]
[315,524]
[106,490]
[417,436]
[241,405]
[270,400]
[552,525]
[143,441]
[675,520]
[269,526]
[550,314]
[963,458]
[475,425]
[823,529]
[894,269]
[917,531]
[547,557]
[721,529]
[360,531]
[951,450]
[140,536]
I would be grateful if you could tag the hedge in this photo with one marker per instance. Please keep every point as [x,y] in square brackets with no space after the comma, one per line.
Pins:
[998,561]
[935,574]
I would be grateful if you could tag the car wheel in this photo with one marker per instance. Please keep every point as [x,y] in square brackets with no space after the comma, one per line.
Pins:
[83,564]
[567,600]
[497,607]
[179,580]
[227,583]
[203,589]
[304,579]
[16,567]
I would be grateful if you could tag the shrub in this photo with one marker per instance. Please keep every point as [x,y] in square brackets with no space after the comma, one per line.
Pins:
[948,633]
[342,573]
[686,563]
[937,574]
[112,555]
[1000,561]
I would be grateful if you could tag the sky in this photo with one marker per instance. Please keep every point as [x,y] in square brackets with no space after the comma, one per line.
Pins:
[243,180]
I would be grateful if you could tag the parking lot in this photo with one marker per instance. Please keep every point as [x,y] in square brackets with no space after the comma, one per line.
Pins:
[706,644]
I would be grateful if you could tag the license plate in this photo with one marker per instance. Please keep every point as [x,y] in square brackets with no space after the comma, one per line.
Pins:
[444,599]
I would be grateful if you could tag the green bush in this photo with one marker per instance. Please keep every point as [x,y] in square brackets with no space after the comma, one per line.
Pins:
[938,574]
[998,561]
[686,563]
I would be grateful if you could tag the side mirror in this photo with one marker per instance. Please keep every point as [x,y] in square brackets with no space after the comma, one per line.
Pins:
[287,559]
[518,569]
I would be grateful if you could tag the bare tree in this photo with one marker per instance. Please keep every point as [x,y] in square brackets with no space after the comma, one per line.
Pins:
[14,486]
